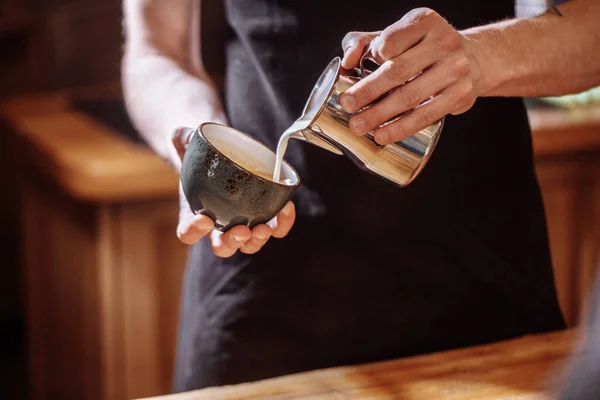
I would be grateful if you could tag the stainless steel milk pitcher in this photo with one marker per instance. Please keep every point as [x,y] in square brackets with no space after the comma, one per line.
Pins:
[324,123]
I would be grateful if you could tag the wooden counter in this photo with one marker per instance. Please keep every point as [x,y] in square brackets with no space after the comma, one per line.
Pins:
[567,159]
[523,369]
[87,159]
[103,267]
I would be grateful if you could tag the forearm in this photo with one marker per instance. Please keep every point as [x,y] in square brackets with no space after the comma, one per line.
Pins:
[165,84]
[547,55]
[161,96]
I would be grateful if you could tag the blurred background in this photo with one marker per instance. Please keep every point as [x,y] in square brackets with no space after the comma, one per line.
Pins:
[88,212]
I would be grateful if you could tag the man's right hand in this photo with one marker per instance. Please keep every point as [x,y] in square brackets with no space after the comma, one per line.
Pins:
[193,227]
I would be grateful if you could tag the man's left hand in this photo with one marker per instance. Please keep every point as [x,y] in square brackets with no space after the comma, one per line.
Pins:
[427,65]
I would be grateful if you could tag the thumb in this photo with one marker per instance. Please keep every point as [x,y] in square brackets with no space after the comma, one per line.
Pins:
[354,44]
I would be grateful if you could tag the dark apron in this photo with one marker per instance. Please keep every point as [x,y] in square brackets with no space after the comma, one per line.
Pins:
[370,271]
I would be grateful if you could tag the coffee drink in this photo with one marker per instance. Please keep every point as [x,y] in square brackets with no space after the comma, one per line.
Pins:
[245,160]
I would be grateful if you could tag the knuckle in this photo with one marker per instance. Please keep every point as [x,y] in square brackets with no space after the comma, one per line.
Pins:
[424,118]
[423,13]
[410,96]
[449,41]
[397,70]
[364,39]
[386,47]
[464,90]
[461,66]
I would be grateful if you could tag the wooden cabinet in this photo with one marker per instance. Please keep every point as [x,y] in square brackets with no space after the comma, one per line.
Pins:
[102,264]
[567,148]
[151,270]
[103,283]
[571,190]
[103,267]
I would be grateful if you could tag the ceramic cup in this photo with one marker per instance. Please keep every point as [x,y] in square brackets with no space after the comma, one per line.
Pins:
[226,175]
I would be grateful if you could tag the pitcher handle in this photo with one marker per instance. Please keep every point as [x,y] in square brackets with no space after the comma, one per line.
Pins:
[368,56]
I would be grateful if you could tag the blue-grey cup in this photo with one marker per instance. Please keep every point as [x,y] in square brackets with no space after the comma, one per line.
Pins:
[226,175]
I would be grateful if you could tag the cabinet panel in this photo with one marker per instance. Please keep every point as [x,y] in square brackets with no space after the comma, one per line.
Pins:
[60,275]
[153,262]
[570,188]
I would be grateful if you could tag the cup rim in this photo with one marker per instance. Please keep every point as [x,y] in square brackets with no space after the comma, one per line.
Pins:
[214,148]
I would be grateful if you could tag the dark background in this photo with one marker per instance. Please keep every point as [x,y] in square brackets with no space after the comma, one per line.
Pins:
[45,45]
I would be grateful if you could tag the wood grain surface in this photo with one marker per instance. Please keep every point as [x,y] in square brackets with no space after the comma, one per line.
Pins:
[517,369]
[86,158]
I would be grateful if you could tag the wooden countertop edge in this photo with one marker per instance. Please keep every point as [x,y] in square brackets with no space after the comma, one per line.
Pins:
[541,353]
[111,168]
[559,132]
[107,168]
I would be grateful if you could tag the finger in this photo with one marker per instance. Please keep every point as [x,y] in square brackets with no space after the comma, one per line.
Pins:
[404,33]
[463,108]
[191,230]
[403,98]
[260,236]
[389,75]
[282,224]
[354,44]
[218,247]
[422,117]
[226,244]
[180,138]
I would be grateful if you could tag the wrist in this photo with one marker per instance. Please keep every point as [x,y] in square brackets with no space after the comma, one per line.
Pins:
[489,72]
[189,120]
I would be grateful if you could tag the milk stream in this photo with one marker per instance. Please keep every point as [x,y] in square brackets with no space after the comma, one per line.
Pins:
[283,144]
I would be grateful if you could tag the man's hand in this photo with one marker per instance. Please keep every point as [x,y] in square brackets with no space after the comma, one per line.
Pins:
[192,228]
[426,64]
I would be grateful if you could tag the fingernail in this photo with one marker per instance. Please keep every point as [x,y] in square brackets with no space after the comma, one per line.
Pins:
[382,137]
[348,102]
[347,51]
[261,236]
[202,224]
[358,125]
[238,238]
